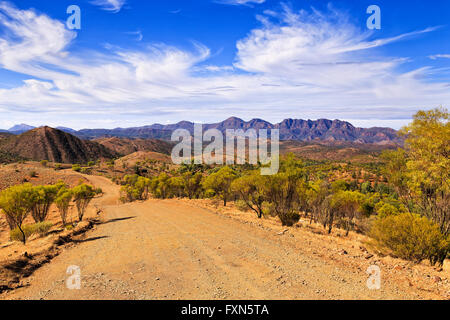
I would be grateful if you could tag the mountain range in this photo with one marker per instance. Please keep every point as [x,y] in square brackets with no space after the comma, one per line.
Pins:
[57,146]
[322,130]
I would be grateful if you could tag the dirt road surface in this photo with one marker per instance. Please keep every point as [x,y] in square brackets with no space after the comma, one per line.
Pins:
[171,250]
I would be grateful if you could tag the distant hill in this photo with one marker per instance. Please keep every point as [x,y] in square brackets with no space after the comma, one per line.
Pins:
[126,146]
[133,133]
[46,143]
[68,130]
[322,130]
[20,128]
[336,151]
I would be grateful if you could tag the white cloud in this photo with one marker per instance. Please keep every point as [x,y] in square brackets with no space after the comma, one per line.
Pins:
[297,65]
[439,56]
[240,2]
[110,5]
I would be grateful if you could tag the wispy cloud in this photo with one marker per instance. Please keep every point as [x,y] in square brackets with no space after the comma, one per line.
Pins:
[240,2]
[138,34]
[110,5]
[296,64]
[439,56]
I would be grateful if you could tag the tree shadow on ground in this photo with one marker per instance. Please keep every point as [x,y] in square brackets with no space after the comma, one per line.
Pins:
[89,239]
[117,220]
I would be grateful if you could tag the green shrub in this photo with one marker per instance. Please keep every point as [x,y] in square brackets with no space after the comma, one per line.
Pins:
[290,219]
[76,167]
[40,228]
[86,170]
[241,205]
[16,235]
[44,163]
[410,237]
[268,209]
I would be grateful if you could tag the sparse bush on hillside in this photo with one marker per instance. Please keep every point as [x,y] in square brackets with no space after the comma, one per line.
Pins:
[44,163]
[76,168]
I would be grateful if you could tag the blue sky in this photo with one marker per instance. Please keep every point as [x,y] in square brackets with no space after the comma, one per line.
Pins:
[137,62]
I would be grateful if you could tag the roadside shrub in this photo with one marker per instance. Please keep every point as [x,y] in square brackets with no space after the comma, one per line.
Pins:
[43,198]
[241,205]
[134,188]
[85,170]
[17,235]
[76,167]
[290,219]
[82,196]
[410,237]
[62,201]
[40,228]
[16,203]
[268,209]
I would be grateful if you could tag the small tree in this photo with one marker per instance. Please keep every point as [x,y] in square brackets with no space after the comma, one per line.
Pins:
[192,184]
[44,196]
[16,203]
[283,190]
[220,183]
[346,204]
[82,196]
[428,165]
[317,194]
[252,190]
[63,203]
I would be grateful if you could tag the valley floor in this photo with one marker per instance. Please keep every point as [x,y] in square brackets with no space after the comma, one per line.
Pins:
[173,249]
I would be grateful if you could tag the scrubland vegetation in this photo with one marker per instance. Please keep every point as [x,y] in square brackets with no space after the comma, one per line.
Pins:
[402,203]
[18,202]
